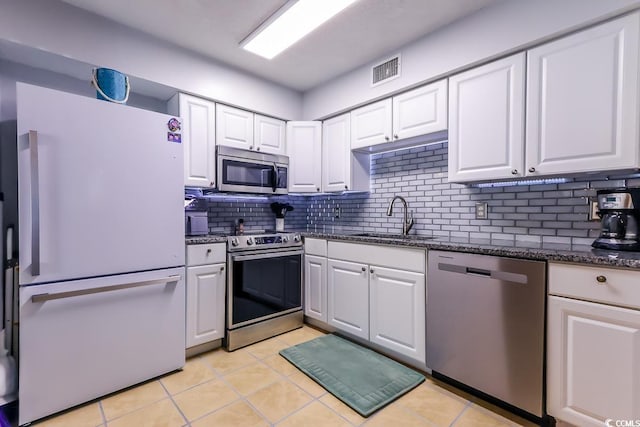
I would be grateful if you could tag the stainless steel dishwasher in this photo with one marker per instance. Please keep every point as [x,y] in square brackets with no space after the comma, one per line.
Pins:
[485,325]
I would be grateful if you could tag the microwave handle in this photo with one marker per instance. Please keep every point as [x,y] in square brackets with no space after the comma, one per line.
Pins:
[274,178]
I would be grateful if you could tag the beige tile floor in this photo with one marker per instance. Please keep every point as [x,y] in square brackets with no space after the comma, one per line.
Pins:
[255,386]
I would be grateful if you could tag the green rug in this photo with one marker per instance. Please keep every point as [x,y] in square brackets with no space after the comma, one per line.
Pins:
[361,378]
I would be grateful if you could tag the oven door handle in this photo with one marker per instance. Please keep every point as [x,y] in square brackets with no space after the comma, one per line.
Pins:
[265,255]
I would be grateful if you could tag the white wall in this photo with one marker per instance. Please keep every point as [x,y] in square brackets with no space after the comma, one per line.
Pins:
[494,31]
[61,29]
[11,72]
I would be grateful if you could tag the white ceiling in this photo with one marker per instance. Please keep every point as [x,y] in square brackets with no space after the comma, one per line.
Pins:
[366,31]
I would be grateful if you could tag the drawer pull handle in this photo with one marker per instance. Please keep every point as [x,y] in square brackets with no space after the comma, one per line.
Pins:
[601,279]
[221,268]
[364,268]
[208,251]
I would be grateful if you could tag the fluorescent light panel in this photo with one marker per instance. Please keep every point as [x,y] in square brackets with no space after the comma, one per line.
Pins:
[290,23]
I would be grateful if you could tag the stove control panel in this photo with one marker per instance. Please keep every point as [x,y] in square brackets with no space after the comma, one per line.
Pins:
[264,241]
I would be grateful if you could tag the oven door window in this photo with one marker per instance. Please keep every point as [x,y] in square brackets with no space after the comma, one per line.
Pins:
[265,286]
[248,174]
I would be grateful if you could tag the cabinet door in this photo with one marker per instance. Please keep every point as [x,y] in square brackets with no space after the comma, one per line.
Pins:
[336,153]
[486,121]
[420,111]
[315,287]
[91,337]
[593,362]
[235,127]
[269,135]
[304,148]
[371,124]
[198,140]
[397,311]
[205,303]
[348,294]
[582,101]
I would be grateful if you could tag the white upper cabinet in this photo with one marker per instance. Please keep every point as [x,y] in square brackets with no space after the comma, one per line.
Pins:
[235,127]
[342,169]
[371,124]
[486,121]
[417,112]
[336,153]
[420,111]
[198,138]
[304,148]
[582,101]
[269,135]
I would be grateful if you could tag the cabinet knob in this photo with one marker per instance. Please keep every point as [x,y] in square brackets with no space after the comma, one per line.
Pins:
[532,169]
[251,148]
[222,268]
[601,279]
[514,172]
[346,187]
[364,268]
[317,188]
[258,149]
[386,138]
[371,271]
[208,251]
[211,184]
[395,135]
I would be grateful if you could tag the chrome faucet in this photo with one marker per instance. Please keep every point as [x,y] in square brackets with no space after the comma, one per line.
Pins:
[407,223]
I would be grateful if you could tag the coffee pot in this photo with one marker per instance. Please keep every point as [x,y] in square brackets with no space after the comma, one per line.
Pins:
[620,214]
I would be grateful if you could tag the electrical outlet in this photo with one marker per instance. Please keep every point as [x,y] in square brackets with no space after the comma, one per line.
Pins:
[482,211]
[593,210]
[337,211]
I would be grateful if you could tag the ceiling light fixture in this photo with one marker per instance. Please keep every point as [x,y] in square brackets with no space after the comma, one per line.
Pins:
[290,23]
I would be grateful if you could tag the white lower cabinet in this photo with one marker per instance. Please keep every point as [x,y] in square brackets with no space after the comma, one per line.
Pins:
[593,348]
[369,299]
[206,287]
[205,303]
[315,287]
[348,292]
[397,311]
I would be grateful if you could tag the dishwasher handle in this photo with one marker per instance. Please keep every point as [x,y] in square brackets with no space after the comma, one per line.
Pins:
[478,271]
[504,276]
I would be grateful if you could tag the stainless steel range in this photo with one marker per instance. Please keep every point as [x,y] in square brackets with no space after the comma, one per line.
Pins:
[264,286]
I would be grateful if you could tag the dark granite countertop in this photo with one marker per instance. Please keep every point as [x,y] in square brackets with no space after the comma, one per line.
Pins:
[507,248]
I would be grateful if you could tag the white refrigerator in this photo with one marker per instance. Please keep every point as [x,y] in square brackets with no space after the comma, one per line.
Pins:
[101,248]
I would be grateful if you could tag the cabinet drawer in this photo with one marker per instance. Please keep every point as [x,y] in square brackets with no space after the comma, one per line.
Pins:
[602,284]
[384,256]
[315,247]
[206,254]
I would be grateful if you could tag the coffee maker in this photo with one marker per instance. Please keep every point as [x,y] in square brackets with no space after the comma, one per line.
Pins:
[620,214]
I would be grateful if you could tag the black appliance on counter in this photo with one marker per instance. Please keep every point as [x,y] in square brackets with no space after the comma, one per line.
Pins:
[620,215]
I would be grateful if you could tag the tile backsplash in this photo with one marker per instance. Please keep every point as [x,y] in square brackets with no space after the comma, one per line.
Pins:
[256,212]
[538,213]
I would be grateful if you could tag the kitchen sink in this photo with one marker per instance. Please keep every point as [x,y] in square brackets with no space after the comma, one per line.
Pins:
[393,236]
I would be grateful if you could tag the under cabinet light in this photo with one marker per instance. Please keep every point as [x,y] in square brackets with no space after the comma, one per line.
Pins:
[290,23]
[522,182]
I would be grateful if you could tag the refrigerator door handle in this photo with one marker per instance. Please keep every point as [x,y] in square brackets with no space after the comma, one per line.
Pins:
[35,204]
[60,295]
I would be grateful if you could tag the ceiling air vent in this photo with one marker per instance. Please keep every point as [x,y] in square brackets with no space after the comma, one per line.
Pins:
[386,71]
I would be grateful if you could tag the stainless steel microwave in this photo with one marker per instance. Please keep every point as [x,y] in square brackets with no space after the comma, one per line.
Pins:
[244,171]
